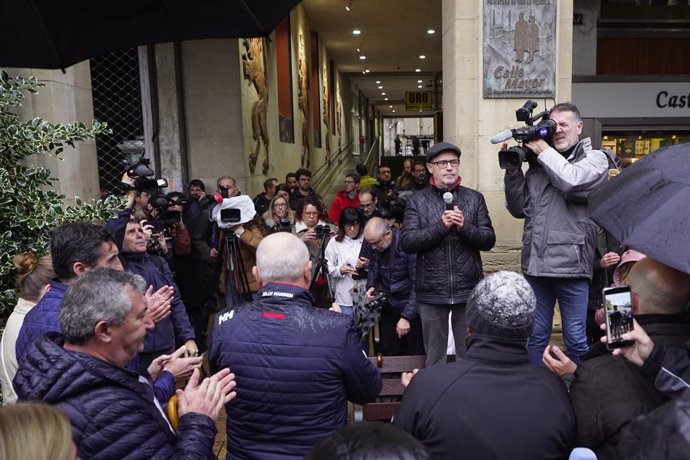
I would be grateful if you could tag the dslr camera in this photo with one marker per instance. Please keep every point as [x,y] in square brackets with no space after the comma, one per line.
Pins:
[322,230]
[544,129]
[376,304]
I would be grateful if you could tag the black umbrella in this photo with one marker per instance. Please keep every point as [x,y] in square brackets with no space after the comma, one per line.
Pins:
[54,34]
[647,206]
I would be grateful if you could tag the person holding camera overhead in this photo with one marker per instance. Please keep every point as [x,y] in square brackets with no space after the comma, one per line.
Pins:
[558,239]
[342,254]
[279,217]
[313,228]
[446,225]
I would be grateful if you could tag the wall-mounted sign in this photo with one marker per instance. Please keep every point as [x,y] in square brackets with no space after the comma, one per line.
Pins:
[633,99]
[519,48]
[416,101]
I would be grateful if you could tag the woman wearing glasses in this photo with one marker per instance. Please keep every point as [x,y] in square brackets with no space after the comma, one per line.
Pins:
[313,228]
[279,217]
[342,254]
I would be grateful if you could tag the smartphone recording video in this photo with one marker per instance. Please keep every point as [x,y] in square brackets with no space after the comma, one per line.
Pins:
[619,316]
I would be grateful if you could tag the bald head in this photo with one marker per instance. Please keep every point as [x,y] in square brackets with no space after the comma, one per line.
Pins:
[282,257]
[658,288]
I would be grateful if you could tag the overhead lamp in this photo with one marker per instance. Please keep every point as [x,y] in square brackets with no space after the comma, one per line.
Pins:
[383,94]
[431,31]
[356,32]
[419,81]
[393,110]
[358,50]
[349,5]
[380,86]
[421,56]
[390,106]
[366,70]
[385,98]
[378,82]
[417,70]
[419,86]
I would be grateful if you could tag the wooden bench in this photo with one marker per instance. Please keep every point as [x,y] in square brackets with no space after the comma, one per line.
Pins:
[391,368]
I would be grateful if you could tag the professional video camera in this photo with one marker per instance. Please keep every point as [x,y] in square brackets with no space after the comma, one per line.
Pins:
[514,156]
[165,219]
[143,176]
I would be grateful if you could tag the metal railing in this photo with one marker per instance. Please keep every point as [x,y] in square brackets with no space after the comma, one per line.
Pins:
[373,158]
[325,170]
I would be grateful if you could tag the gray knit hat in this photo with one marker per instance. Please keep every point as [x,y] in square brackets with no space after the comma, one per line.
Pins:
[502,305]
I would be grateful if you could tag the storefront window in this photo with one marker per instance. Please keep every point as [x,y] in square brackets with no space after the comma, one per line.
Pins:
[630,146]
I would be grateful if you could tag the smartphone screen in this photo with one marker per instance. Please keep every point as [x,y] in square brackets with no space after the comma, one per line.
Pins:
[619,316]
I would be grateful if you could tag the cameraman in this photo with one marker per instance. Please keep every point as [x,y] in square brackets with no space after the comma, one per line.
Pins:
[393,272]
[558,239]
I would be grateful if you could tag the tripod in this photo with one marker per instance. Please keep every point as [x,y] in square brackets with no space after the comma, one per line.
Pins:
[321,271]
[237,281]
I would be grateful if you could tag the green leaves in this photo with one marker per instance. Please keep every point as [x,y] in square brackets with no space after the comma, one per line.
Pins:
[29,207]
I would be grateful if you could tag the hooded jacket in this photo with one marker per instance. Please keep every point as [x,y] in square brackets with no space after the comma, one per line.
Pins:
[448,261]
[176,327]
[492,404]
[111,410]
[558,239]
[341,201]
[296,367]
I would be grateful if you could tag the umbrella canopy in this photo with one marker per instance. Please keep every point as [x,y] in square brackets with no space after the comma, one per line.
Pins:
[54,34]
[647,206]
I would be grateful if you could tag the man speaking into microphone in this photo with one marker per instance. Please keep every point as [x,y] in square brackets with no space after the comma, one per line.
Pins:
[447,225]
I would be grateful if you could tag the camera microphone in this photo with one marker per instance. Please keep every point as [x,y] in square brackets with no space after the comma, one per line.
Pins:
[448,199]
[502,136]
[218,198]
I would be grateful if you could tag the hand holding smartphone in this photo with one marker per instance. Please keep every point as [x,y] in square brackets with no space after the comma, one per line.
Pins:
[619,315]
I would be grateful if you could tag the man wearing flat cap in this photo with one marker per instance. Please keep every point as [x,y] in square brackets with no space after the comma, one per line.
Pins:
[446,225]
[493,403]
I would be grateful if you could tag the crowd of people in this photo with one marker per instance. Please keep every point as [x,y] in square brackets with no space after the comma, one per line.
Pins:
[113,327]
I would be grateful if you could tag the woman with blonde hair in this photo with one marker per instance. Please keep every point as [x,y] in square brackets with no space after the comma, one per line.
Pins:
[30,431]
[279,217]
[33,280]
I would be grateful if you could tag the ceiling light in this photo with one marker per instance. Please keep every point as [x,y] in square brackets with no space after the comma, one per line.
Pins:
[356,32]
[362,57]
[431,31]
[380,86]
[393,111]
[419,81]
[421,56]
[358,50]
[385,99]
[418,70]
[390,106]
[349,5]
[419,86]
[383,94]
[378,82]
[366,70]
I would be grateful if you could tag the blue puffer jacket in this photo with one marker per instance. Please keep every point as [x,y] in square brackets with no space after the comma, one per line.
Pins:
[44,317]
[296,367]
[111,409]
[401,270]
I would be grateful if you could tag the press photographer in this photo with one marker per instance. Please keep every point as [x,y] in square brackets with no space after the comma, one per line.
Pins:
[558,240]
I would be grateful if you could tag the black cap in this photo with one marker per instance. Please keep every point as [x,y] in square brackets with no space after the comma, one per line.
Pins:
[441,147]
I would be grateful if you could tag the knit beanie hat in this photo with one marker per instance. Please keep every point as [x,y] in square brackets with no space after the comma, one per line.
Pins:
[502,305]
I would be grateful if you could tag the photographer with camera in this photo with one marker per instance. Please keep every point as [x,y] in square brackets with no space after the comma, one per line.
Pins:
[392,272]
[559,239]
[446,225]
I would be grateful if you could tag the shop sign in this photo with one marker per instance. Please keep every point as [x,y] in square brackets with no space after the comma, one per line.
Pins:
[633,99]
[519,49]
[416,101]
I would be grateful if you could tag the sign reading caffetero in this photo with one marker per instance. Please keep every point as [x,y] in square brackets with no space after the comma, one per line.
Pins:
[417,101]
[519,49]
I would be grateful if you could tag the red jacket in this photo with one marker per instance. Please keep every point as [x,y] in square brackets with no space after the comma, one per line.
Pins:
[340,202]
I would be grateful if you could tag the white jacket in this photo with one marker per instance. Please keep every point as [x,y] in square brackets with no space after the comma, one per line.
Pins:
[337,254]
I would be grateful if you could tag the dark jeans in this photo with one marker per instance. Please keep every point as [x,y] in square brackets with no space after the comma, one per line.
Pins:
[435,329]
[196,282]
[411,343]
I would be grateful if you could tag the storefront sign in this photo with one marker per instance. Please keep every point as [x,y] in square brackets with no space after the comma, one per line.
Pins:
[416,101]
[634,99]
[519,49]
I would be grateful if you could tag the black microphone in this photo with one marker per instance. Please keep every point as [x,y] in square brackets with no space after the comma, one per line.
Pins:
[448,199]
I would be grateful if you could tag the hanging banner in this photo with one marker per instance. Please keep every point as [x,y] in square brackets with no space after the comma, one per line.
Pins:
[519,49]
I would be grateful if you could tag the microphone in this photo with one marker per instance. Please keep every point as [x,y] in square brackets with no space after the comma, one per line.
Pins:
[218,198]
[502,136]
[448,199]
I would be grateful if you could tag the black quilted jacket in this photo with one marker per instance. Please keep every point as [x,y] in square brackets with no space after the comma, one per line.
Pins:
[448,262]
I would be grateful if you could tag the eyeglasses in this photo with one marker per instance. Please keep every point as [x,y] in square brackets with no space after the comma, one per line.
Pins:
[311,213]
[352,225]
[366,205]
[445,163]
[279,205]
